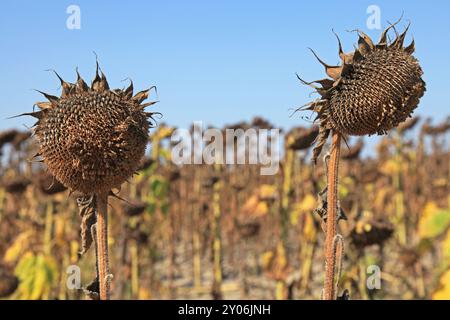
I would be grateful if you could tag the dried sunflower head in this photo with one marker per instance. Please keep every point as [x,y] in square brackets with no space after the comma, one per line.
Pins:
[7,137]
[8,283]
[301,138]
[436,130]
[368,232]
[354,151]
[17,185]
[375,88]
[135,209]
[408,125]
[47,184]
[93,138]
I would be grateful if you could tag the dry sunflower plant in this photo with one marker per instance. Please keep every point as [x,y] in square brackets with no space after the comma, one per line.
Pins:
[92,139]
[374,89]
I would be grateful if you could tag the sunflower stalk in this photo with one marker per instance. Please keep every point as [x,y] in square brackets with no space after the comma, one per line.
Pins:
[307,256]
[217,239]
[196,238]
[48,228]
[399,195]
[281,287]
[102,246]
[329,290]
[2,202]
[287,189]
[134,269]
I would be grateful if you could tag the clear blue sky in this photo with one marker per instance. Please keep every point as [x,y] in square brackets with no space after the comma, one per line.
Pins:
[216,61]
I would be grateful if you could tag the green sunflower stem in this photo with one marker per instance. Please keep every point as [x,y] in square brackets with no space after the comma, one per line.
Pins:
[102,246]
[331,224]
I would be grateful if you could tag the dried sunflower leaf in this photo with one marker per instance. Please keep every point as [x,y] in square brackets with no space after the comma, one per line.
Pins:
[87,211]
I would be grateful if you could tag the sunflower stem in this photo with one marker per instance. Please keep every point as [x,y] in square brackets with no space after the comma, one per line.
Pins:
[217,292]
[331,224]
[102,245]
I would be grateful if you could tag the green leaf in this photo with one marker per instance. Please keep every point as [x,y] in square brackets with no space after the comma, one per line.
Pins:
[434,221]
[151,208]
[165,208]
[159,187]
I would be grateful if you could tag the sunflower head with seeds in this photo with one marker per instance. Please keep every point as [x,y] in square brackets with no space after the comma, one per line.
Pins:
[93,138]
[376,87]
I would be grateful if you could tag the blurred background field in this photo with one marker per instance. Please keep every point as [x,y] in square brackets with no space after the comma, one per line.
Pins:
[225,231]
